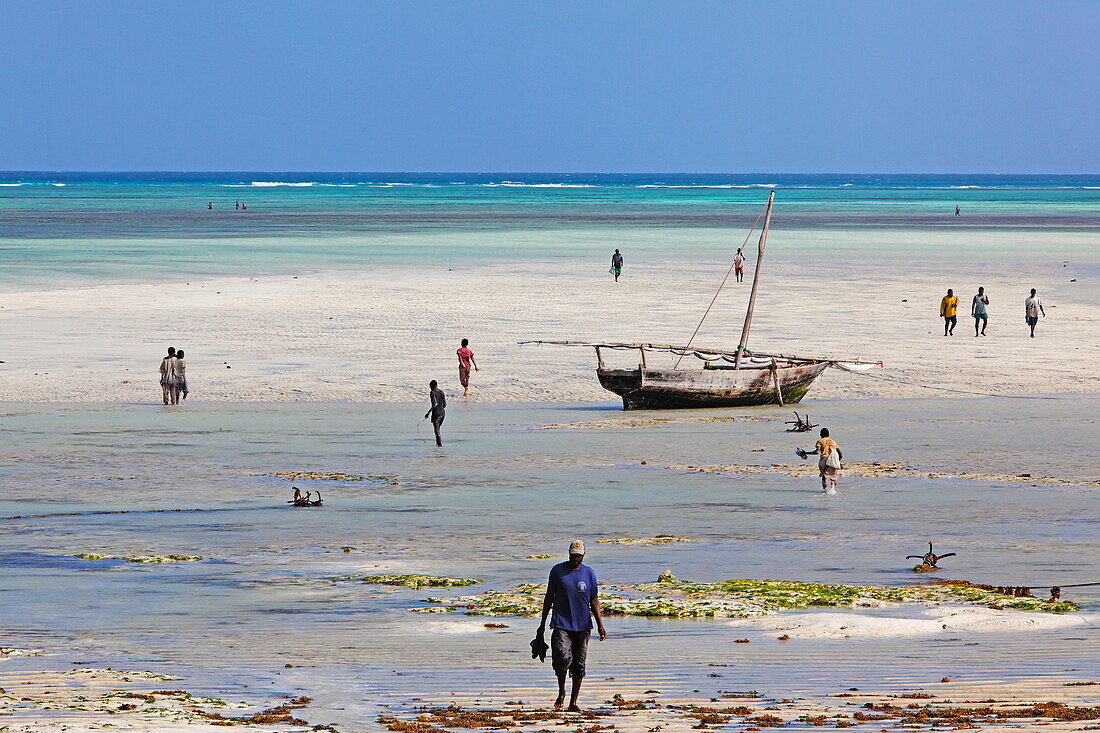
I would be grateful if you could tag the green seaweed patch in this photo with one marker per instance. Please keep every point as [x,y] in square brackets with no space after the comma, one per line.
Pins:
[742,598]
[416,581]
[153,559]
[140,559]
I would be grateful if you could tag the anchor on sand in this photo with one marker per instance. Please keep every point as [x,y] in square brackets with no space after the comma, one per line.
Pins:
[928,560]
[800,424]
[304,500]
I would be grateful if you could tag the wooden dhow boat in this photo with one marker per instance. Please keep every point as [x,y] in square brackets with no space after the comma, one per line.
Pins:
[736,378]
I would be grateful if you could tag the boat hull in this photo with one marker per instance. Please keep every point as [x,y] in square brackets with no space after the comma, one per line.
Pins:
[670,389]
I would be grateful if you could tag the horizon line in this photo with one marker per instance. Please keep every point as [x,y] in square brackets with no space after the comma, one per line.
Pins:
[544,173]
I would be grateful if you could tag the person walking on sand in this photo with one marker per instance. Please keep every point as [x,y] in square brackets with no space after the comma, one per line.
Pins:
[573,595]
[179,370]
[177,378]
[739,266]
[1033,306]
[949,307]
[829,462]
[617,264]
[166,373]
[465,361]
[957,212]
[438,410]
[978,309]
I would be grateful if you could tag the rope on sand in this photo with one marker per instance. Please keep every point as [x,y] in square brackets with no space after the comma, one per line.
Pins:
[946,389]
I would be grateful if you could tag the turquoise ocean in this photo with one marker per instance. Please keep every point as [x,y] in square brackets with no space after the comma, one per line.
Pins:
[61,229]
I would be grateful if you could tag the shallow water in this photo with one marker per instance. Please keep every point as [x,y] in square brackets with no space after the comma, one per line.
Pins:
[66,229]
[497,492]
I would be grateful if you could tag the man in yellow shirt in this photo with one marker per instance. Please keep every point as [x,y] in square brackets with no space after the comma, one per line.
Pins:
[949,308]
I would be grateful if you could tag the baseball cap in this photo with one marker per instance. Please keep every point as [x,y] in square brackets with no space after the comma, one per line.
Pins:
[576,547]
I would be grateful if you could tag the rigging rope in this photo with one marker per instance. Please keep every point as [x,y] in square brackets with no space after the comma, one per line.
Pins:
[719,290]
[946,389]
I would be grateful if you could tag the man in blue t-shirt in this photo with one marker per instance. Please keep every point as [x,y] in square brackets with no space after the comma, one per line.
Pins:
[574,597]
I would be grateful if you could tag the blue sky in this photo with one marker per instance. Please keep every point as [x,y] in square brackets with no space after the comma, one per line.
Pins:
[997,87]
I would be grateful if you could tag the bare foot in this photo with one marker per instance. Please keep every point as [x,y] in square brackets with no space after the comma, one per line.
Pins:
[559,702]
[572,709]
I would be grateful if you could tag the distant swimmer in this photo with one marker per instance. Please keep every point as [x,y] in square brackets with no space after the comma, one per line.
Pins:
[739,266]
[244,207]
[829,462]
[957,212]
[949,307]
[1033,306]
[209,204]
[465,361]
[617,265]
[980,311]
[237,205]
[438,411]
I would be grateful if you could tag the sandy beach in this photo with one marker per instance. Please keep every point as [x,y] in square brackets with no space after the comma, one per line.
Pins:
[380,334]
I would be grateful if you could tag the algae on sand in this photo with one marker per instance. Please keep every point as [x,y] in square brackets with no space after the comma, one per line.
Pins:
[140,559]
[741,598]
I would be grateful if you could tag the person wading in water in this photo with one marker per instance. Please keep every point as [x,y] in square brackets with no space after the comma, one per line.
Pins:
[573,596]
[438,410]
[829,463]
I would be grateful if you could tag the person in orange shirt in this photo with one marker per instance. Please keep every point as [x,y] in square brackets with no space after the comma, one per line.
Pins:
[828,464]
[949,308]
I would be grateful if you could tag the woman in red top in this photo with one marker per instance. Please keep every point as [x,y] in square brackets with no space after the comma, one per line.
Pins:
[465,361]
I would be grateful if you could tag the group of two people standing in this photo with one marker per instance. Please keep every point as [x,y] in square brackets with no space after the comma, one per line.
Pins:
[979,309]
[173,376]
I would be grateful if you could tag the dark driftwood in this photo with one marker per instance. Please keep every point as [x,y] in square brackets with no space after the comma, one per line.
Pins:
[304,500]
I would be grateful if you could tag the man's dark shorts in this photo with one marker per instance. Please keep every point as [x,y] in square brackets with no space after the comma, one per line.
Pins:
[569,650]
[951,320]
[1032,320]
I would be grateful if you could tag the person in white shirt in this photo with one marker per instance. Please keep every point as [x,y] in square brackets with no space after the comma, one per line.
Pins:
[166,373]
[177,382]
[739,266]
[1033,306]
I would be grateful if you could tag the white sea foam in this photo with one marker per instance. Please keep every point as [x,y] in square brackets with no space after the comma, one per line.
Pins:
[516,184]
[12,185]
[714,185]
[928,622]
[448,627]
[268,184]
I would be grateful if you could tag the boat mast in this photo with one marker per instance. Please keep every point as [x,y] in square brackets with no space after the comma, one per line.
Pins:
[755,283]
